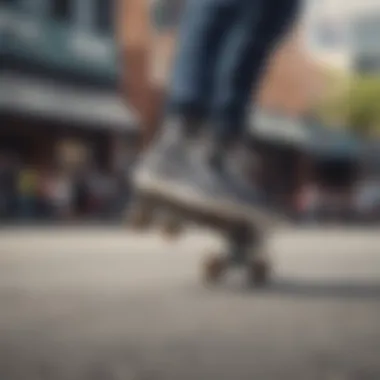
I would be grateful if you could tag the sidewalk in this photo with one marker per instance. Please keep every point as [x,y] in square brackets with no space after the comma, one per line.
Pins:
[117,221]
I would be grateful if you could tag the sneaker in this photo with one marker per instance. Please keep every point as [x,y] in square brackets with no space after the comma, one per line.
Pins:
[220,176]
[198,175]
[163,169]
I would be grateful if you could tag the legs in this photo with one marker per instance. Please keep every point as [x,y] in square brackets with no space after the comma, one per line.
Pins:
[223,48]
[249,45]
[202,34]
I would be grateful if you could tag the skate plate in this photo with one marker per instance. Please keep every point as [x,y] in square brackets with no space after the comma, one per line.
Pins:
[244,233]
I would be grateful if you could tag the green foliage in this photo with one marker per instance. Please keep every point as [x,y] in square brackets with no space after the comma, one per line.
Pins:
[354,103]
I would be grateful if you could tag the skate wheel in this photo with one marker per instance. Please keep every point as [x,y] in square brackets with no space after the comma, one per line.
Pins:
[140,217]
[259,272]
[214,268]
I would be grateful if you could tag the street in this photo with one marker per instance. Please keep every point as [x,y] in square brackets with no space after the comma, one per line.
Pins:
[105,303]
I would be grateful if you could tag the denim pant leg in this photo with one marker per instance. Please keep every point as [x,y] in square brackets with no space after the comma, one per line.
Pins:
[260,26]
[201,35]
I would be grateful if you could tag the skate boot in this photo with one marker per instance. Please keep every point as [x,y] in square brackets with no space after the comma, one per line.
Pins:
[222,173]
[201,175]
[163,168]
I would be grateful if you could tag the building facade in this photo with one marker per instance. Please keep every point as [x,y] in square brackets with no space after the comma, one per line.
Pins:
[59,81]
[344,34]
[366,43]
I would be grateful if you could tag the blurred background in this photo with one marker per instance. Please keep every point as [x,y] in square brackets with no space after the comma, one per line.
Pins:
[83,297]
[81,83]
[66,134]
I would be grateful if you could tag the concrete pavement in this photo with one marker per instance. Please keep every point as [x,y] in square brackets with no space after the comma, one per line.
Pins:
[96,303]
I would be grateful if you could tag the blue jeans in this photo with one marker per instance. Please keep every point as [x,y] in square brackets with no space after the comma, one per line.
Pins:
[223,48]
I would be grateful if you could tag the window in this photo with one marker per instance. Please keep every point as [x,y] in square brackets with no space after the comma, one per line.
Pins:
[104,16]
[61,10]
[330,34]
[367,64]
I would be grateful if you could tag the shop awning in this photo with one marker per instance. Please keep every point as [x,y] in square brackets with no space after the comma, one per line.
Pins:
[325,141]
[316,139]
[91,108]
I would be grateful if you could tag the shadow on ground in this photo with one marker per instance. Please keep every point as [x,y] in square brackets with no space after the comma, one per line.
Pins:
[336,289]
[284,287]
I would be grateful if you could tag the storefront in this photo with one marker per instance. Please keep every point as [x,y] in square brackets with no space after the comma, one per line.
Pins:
[296,155]
[43,122]
[285,166]
[63,146]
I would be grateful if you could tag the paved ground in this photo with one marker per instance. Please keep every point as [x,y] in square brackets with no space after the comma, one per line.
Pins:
[103,304]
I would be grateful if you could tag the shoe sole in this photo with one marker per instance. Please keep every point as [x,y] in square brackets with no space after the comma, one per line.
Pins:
[185,201]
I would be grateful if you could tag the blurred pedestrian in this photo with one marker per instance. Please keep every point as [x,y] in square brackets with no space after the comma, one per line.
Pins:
[27,192]
[8,186]
[62,195]
[309,203]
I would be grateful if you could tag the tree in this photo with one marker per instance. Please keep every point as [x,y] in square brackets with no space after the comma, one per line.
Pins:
[354,104]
